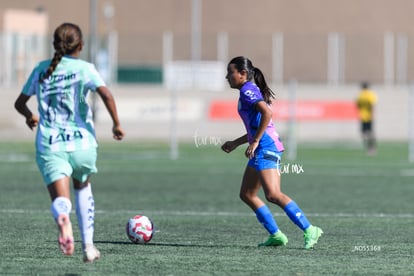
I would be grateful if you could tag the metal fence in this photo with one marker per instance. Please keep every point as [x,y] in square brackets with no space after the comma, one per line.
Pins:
[18,55]
[334,58]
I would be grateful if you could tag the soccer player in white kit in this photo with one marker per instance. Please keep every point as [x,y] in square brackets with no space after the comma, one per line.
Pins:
[66,145]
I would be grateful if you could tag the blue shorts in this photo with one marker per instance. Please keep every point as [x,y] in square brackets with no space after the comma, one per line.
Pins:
[77,164]
[265,159]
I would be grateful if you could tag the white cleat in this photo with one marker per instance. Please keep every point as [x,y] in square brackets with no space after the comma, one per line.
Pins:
[90,253]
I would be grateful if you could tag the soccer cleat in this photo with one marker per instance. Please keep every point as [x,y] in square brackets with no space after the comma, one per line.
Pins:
[90,253]
[311,236]
[65,238]
[277,239]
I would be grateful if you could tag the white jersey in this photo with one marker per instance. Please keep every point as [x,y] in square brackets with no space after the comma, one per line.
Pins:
[65,116]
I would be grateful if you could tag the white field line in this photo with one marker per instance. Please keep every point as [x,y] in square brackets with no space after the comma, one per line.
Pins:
[220,214]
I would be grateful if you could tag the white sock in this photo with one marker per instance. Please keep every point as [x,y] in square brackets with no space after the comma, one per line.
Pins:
[85,212]
[61,205]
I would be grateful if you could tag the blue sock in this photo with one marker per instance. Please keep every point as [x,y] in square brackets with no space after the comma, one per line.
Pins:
[266,218]
[296,215]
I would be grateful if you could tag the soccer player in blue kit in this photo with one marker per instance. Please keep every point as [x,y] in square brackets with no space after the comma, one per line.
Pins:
[264,152]
[66,145]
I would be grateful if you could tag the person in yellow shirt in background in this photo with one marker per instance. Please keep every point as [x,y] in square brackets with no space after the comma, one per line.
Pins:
[365,103]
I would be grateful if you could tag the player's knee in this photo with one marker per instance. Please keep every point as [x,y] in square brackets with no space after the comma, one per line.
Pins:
[246,196]
[242,196]
[275,197]
[80,185]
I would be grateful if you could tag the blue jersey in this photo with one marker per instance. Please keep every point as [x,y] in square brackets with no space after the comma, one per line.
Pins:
[65,122]
[250,95]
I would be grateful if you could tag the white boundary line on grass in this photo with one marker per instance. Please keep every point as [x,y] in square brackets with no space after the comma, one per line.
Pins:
[220,214]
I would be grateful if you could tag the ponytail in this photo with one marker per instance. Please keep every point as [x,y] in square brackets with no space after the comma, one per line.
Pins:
[260,81]
[53,64]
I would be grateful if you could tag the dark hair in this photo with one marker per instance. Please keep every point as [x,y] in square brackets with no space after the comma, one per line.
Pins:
[365,85]
[243,63]
[66,40]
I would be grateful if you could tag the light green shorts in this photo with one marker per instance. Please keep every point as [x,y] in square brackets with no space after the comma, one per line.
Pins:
[76,164]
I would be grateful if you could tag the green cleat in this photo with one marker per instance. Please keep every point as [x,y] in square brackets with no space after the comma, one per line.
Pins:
[277,239]
[311,236]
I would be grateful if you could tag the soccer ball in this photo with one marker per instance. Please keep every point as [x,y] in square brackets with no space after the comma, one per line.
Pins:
[140,229]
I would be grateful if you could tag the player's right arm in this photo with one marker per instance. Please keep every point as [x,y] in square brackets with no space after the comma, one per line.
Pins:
[229,146]
[21,106]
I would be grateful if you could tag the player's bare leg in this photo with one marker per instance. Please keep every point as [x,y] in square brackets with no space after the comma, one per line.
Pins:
[248,193]
[61,207]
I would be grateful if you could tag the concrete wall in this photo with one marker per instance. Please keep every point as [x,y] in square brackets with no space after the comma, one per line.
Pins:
[250,25]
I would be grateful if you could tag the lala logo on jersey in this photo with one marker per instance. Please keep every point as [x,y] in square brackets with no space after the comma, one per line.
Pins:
[64,136]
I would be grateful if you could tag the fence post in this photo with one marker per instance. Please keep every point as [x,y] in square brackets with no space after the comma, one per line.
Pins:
[292,142]
[402,57]
[277,58]
[411,123]
[223,47]
[336,64]
[388,58]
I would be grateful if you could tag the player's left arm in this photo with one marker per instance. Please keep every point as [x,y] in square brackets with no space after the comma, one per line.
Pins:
[373,102]
[110,105]
[266,116]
